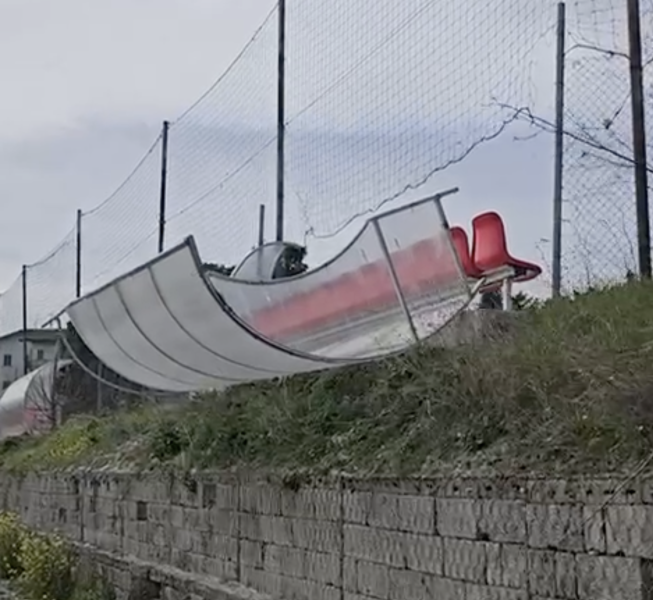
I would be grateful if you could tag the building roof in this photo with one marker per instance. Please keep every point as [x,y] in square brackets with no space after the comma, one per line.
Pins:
[33,335]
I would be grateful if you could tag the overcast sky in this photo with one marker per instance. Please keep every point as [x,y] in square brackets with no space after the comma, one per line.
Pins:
[86,85]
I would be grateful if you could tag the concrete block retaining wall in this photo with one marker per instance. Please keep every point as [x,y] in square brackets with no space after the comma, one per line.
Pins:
[354,540]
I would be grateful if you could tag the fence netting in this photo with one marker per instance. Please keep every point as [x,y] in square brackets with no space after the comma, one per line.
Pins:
[380,97]
[599,227]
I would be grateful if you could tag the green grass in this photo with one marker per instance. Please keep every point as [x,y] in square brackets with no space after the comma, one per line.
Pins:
[570,389]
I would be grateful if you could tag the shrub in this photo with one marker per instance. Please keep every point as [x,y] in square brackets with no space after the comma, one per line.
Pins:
[11,536]
[47,567]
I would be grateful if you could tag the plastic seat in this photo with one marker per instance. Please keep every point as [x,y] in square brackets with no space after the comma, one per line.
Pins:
[461,244]
[490,249]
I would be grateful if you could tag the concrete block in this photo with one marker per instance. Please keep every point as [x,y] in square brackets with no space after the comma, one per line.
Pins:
[514,565]
[284,560]
[356,506]
[565,574]
[311,503]
[322,567]
[405,584]
[384,511]
[494,574]
[629,530]
[324,536]
[557,527]
[485,592]
[439,587]
[374,545]
[465,560]
[251,553]
[416,514]
[611,578]
[541,573]
[276,530]
[424,553]
[594,529]
[373,579]
[350,575]
[503,521]
[457,518]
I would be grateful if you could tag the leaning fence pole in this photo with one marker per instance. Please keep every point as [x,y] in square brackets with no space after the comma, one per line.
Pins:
[164,185]
[25,355]
[281,118]
[639,139]
[78,255]
[556,283]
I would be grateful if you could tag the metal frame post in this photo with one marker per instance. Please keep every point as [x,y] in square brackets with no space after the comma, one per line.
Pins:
[25,353]
[78,255]
[639,139]
[395,279]
[506,294]
[437,200]
[164,185]
[281,119]
[54,413]
[556,267]
[261,225]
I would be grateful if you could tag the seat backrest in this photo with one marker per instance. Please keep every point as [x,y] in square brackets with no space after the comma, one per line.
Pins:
[461,244]
[489,247]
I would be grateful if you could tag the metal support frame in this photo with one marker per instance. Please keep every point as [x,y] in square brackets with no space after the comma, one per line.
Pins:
[639,139]
[25,353]
[556,266]
[164,185]
[281,118]
[437,200]
[55,413]
[393,276]
[78,255]
[506,294]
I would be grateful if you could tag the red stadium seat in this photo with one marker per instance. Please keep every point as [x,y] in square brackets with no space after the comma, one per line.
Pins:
[490,250]
[461,244]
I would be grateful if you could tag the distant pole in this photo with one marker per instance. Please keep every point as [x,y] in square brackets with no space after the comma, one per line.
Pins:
[261,225]
[25,355]
[281,117]
[639,139]
[78,256]
[164,183]
[556,283]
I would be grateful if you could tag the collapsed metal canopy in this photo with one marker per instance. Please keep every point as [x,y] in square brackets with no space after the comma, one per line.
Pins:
[170,326]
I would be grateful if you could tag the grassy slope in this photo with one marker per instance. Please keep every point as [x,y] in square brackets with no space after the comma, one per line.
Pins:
[571,389]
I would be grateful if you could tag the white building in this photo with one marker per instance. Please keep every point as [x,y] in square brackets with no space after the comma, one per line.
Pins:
[41,344]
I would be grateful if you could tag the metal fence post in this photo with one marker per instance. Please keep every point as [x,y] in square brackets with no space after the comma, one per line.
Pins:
[164,184]
[78,255]
[639,138]
[556,267]
[261,225]
[25,353]
[394,278]
[281,118]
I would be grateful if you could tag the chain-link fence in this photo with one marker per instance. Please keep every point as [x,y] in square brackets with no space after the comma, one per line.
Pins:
[378,96]
[600,232]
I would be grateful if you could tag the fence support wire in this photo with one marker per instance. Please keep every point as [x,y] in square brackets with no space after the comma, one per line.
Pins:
[556,269]
[639,139]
